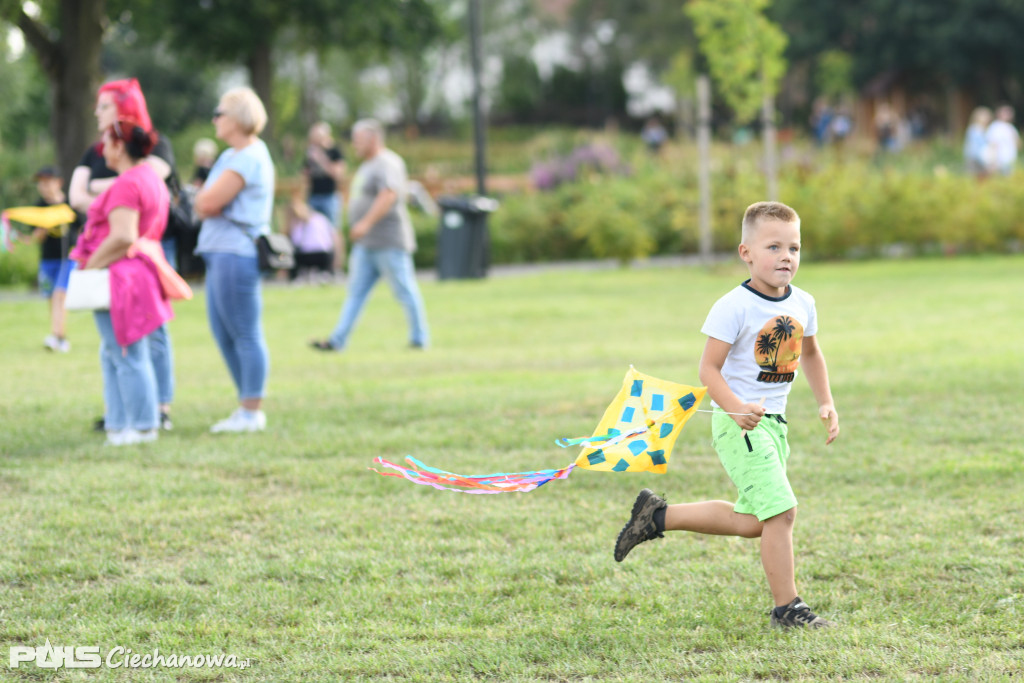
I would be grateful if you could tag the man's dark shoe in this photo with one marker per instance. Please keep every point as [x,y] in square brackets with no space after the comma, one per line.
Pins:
[321,345]
[99,425]
[797,614]
[641,526]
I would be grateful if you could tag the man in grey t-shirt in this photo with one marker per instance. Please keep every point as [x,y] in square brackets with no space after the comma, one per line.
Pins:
[382,238]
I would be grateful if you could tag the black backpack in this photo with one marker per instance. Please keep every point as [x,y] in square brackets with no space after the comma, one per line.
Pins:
[180,218]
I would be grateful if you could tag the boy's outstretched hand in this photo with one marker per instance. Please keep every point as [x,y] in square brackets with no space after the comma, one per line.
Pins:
[830,418]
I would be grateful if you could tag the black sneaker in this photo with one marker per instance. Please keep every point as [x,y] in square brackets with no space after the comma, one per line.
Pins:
[797,614]
[165,422]
[99,425]
[640,526]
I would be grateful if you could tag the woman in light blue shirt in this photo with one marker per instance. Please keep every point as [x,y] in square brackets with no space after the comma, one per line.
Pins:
[236,204]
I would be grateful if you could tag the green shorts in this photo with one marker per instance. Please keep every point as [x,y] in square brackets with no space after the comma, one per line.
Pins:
[756,463]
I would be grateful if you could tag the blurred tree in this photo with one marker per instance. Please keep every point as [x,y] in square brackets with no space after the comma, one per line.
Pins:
[179,90]
[521,90]
[409,39]
[65,38]
[834,74]
[974,45]
[652,31]
[24,99]
[744,51]
[246,31]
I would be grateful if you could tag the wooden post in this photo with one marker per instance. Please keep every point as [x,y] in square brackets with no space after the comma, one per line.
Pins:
[771,156]
[704,164]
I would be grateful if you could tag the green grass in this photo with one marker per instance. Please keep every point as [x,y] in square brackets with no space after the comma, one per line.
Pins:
[283,548]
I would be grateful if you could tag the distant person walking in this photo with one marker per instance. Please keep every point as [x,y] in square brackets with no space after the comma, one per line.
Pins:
[382,238]
[1004,139]
[236,203]
[976,149]
[654,135]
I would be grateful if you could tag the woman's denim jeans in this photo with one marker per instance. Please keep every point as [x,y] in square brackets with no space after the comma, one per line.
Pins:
[129,382]
[234,308]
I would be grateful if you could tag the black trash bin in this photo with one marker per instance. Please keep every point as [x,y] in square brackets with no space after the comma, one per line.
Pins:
[463,241]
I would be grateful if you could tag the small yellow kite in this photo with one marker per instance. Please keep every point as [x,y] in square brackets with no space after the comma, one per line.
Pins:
[636,434]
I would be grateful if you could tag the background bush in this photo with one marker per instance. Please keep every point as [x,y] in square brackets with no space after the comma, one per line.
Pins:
[850,208]
[852,205]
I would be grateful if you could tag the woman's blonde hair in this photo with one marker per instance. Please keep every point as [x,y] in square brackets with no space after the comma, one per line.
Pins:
[245,107]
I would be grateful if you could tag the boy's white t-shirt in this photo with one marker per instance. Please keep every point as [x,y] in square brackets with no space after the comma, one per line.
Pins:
[767,335]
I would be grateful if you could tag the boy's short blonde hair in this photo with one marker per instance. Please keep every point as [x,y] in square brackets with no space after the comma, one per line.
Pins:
[246,108]
[776,211]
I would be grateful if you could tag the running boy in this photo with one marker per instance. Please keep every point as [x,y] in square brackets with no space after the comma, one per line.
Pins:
[757,336]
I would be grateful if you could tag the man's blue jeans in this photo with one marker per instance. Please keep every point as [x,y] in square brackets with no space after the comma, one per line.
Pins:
[366,266]
[234,309]
[129,383]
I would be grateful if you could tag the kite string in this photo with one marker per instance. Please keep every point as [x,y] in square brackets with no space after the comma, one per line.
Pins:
[721,411]
[760,403]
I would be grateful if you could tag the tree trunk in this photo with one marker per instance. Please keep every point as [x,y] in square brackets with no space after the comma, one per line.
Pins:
[261,75]
[72,65]
[77,79]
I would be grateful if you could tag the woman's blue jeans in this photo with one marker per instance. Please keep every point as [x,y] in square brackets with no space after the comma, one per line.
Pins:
[234,309]
[327,204]
[129,382]
[366,266]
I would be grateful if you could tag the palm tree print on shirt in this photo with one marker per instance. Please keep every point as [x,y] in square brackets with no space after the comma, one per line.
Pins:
[777,349]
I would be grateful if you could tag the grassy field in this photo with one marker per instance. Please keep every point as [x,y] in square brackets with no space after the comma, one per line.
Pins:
[284,550]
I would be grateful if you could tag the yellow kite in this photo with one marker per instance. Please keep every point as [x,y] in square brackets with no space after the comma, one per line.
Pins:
[636,434]
[48,217]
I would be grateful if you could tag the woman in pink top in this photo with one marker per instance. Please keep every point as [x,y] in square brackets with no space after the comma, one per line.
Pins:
[121,223]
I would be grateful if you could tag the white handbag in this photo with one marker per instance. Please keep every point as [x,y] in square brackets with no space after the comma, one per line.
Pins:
[88,290]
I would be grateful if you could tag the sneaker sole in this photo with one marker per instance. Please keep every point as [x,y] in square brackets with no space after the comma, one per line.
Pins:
[638,506]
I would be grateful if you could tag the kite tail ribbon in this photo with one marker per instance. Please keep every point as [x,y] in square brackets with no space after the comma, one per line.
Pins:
[503,482]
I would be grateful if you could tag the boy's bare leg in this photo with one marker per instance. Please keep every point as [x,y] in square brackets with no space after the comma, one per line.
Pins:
[717,517]
[777,556]
[58,316]
[711,517]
